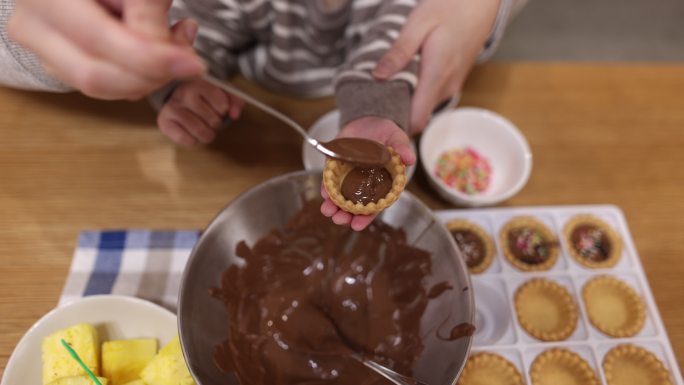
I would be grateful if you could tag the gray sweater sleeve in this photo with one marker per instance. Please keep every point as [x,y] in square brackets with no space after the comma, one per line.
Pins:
[369,36]
[19,67]
[507,10]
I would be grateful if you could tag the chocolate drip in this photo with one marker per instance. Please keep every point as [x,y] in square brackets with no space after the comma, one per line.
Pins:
[439,289]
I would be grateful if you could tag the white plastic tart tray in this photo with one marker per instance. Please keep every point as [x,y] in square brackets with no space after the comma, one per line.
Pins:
[498,330]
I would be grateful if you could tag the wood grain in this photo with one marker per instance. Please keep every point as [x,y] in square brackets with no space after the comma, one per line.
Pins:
[600,133]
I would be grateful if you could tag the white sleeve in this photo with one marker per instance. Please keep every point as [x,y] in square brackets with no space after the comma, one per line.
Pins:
[507,10]
[20,68]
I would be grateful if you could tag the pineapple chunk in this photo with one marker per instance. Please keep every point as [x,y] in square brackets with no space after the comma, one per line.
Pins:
[136,382]
[168,367]
[77,380]
[123,360]
[58,363]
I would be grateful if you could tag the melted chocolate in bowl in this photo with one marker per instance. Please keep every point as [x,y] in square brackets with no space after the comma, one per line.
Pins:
[366,184]
[311,294]
[358,150]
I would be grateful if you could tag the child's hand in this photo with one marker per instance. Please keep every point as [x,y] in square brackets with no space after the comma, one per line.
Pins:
[194,112]
[384,131]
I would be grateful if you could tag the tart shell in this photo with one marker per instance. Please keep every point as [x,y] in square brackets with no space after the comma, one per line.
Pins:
[335,171]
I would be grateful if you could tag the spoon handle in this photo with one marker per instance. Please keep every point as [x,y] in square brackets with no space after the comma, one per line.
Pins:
[260,105]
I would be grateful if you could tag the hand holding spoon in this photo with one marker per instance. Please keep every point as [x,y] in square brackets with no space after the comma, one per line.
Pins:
[353,150]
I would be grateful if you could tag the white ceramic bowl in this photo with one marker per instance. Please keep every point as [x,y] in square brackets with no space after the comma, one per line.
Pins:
[490,134]
[325,129]
[114,317]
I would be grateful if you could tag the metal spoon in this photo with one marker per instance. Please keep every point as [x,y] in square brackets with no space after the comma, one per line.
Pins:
[394,377]
[346,149]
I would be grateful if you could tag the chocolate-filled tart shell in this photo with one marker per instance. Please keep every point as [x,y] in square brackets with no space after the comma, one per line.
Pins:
[546,310]
[489,369]
[336,172]
[633,365]
[557,366]
[529,244]
[475,244]
[592,242]
[614,307]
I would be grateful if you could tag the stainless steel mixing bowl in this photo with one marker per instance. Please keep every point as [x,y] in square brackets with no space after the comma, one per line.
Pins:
[203,321]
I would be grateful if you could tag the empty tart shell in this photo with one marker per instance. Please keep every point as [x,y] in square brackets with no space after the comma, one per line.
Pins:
[558,366]
[487,244]
[335,171]
[546,310]
[546,234]
[489,369]
[614,307]
[633,365]
[583,253]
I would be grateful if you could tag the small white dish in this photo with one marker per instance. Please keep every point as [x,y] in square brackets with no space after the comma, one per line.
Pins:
[325,129]
[115,317]
[491,135]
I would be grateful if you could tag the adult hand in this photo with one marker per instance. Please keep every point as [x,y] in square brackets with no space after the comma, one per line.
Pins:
[381,130]
[449,34]
[91,46]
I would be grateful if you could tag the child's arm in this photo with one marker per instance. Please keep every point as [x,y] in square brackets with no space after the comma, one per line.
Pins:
[191,111]
[357,92]
[373,109]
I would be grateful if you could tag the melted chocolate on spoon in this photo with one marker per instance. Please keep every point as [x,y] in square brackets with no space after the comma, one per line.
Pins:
[311,296]
[366,184]
[358,150]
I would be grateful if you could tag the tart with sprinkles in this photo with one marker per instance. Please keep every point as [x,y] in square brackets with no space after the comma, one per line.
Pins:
[475,244]
[592,242]
[528,244]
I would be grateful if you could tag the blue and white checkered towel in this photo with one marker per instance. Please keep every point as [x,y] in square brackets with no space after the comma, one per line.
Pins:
[141,263]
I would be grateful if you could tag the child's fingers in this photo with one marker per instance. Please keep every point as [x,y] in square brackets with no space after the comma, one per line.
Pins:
[176,133]
[402,145]
[193,125]
[328,208]
[360,222]
[198,105]
[236,106]
[342,217]
[215,97]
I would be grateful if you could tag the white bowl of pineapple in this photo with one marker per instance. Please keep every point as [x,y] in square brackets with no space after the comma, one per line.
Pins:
[117,337]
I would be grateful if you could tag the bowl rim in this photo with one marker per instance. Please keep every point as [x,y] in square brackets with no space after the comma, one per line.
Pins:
[505,124]
[82,301]
[277,179]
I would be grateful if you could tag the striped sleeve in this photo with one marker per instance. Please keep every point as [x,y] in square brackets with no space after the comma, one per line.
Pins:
[371,32]
[222,31]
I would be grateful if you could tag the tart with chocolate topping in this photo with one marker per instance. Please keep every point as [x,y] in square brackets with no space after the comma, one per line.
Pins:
[528,244]
[592,242]
[364,189]
[475,244]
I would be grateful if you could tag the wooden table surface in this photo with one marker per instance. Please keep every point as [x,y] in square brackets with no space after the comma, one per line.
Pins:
[600,133]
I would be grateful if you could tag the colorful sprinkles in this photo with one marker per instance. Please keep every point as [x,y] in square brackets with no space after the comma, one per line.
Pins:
[465,170]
